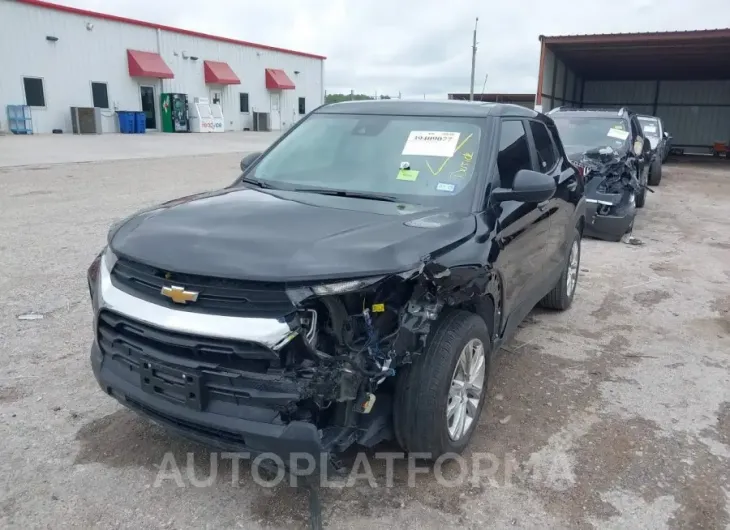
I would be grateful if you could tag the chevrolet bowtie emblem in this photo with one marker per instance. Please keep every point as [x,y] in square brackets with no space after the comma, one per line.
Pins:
[179,295]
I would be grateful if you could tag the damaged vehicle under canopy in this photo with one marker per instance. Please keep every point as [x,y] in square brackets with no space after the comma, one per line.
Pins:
[349,287]
[610,150]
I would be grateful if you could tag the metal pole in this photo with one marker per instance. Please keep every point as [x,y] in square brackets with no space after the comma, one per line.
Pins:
[473,60]
[484,86]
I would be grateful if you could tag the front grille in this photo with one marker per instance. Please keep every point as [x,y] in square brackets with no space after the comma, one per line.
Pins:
[129,339]
[215,295]
[195,371]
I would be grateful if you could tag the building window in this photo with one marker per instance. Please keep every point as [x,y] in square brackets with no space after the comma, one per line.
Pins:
[99,95]
[302,106]
[34,96]
[244,102]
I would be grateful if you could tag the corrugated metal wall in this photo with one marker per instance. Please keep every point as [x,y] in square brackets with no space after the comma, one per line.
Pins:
[560,85]
[696,113]
[82,55]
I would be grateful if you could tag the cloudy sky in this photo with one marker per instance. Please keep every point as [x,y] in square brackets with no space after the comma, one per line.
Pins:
[419,47]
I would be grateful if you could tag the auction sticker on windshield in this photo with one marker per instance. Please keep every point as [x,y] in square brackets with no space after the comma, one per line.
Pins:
[431,143]
[617,133]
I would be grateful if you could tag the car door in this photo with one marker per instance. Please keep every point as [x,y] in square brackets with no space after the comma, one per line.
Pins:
[561,206]
[521,228]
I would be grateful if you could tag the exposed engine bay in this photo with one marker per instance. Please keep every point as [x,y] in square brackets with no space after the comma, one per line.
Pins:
[347,347]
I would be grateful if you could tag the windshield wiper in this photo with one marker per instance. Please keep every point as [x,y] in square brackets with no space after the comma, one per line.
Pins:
[352,194]
[257,182]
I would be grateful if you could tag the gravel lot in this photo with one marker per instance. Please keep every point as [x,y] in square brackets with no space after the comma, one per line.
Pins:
[621,405]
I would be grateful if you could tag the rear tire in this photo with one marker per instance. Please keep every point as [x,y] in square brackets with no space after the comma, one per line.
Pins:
[426,390]
[562,294]
[655,173]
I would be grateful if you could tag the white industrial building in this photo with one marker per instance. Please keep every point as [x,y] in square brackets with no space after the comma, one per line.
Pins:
[57,57]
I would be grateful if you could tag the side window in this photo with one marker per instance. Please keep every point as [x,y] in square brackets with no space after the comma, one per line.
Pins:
[546,151]
[514,152]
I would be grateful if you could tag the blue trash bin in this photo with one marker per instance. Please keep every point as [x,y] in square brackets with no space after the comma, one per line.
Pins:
[140,123]
[126,122]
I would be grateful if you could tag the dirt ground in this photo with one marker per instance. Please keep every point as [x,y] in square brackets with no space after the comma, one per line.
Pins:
[618,411]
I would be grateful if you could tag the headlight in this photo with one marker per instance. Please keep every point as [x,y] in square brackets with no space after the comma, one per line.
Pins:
[105,258]
[298,294]
[344,287]
[92,275]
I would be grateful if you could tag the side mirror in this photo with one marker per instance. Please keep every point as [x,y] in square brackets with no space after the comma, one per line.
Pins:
[248,160]
[528,186]
[666,134]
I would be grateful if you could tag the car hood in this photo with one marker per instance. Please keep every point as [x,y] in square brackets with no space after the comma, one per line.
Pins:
[244,233]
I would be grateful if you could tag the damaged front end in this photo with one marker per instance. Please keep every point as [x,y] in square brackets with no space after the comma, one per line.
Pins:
[315,376]
[611,187]
[349,339]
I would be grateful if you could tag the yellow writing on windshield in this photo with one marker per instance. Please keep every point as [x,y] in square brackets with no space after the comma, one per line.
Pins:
[463,167]
[442,166]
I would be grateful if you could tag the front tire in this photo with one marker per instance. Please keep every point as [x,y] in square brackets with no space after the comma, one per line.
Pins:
[562,294]
[440,396]
[655,173]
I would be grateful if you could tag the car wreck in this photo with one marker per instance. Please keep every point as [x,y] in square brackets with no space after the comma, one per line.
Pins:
[614,157]
[328,298]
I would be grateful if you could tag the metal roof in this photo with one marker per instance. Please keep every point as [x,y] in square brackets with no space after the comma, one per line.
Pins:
[697,54]
[153,25]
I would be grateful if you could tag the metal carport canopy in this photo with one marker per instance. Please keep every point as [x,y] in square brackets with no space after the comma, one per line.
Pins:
[683,77]
[681,55]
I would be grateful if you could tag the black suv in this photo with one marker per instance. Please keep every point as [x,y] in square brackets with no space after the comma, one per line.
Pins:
[613,154]
[351,285]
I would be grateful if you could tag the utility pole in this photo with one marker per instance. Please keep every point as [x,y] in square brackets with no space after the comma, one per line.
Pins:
[473,60]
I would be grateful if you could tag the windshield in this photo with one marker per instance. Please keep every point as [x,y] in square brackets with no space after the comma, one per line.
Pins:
[419,160]
[650,126]
[583,133]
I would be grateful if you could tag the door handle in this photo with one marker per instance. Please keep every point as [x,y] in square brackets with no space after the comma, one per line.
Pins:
[542,205]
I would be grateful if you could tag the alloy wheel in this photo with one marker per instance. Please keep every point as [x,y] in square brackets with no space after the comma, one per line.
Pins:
[465,392]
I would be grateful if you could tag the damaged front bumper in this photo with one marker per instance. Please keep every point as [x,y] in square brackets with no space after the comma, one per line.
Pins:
[221,425]
[214,379]
[610,216]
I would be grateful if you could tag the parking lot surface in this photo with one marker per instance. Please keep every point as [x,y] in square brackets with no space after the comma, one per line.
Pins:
[618,410]
[66,148]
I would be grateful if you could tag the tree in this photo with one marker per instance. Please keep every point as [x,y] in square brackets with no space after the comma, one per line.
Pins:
[337,98]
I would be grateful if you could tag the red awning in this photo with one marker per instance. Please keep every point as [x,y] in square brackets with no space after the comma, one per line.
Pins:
[278,80]
[147,64]
[219,73]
